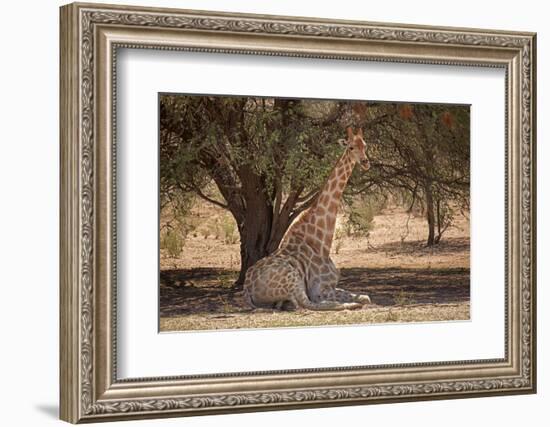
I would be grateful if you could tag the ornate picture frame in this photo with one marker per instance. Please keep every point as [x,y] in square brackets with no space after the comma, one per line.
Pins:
[90,37]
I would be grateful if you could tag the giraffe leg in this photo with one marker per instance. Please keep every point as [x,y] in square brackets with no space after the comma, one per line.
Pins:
[301,299]
[329,290]
[346,296]
[341,295]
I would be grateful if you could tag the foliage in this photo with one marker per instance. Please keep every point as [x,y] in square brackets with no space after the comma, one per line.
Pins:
[177,223]
[267,157]
[361,213]
[284,144]
[422,150]
[172,243]
[229,230]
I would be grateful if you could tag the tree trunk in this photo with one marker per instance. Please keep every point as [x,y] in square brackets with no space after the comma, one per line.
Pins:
[439,231]
[254,235]
[249,256]
[257,237]
[430,215]
[260,229]
[255,228]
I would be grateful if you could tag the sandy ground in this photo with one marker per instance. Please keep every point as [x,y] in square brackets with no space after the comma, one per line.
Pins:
[276,319]
[406,280]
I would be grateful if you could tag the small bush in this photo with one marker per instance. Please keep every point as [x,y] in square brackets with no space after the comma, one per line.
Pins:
[172,242]
[229,230]
[177,223]
[226,306]
[361,216]
[189,224]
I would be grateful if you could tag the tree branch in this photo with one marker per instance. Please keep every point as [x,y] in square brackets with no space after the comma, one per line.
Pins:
[203,196]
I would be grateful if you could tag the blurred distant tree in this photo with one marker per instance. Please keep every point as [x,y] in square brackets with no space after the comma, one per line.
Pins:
[423,150]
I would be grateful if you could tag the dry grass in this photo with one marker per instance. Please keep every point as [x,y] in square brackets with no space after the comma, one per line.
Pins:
[276,319]
[406,281]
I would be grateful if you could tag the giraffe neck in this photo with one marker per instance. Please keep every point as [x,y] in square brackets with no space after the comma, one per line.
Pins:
[329,199]
[318,223]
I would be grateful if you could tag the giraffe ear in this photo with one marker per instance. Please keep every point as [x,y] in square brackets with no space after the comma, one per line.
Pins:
[350,133]
[360,133]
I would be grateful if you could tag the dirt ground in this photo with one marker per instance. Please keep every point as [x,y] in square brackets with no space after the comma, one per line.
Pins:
[407,281]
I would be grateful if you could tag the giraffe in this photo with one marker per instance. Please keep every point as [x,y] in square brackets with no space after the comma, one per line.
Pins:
[300,271]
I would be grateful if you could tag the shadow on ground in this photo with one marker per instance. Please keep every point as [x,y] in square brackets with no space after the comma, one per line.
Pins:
[418,248]
[208,290]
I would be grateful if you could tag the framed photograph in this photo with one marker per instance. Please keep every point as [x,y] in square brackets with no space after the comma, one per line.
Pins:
[266,212]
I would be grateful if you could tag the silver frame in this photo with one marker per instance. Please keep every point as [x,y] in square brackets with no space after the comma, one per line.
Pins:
[90,36]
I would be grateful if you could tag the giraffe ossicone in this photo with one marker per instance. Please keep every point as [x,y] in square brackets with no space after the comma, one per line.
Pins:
[301,271]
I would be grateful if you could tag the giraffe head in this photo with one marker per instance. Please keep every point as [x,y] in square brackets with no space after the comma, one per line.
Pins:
[357,147]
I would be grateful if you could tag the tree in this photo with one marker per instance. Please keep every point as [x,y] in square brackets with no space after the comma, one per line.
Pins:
[267,157]
[423,150]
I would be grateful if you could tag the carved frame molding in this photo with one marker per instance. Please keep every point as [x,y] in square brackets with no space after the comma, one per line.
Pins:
[90,36]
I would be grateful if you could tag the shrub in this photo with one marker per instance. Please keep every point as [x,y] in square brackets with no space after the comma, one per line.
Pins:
[172,242]
[229,230]
[214,228]
[361,215]
[177,222]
